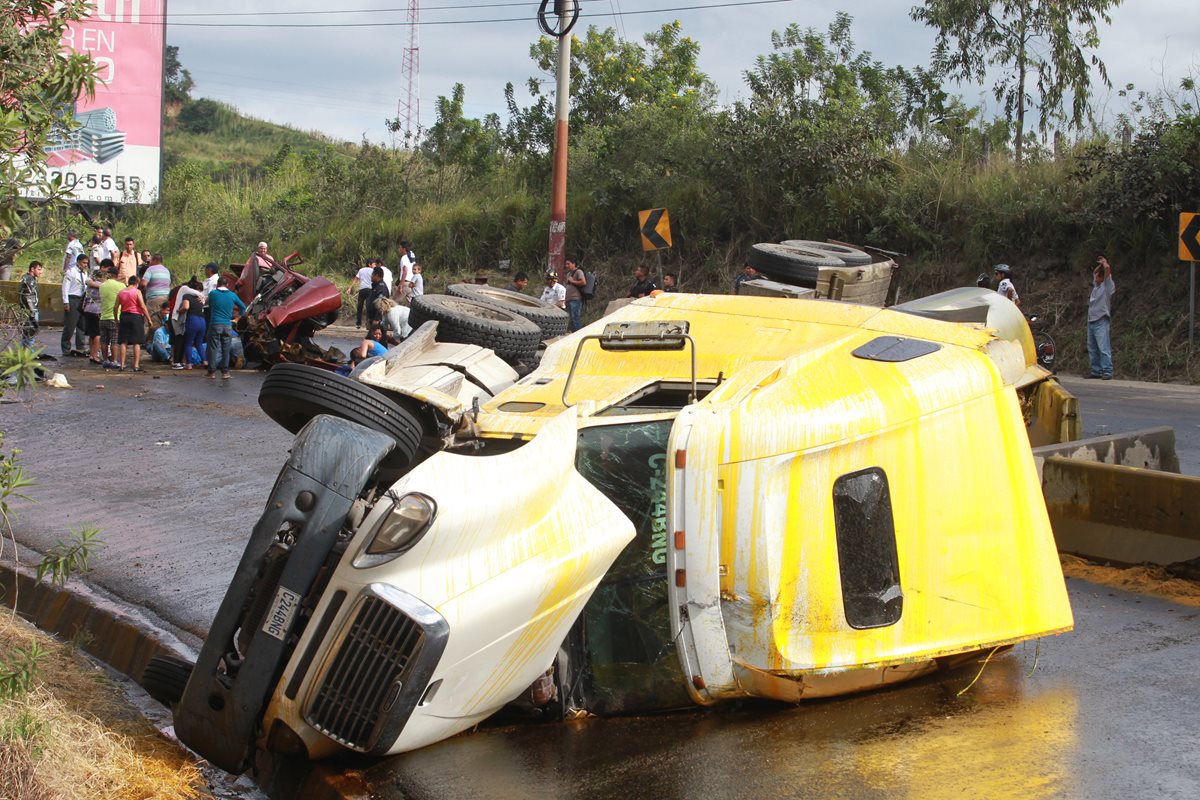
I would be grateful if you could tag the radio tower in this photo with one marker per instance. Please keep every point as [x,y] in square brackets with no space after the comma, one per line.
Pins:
[408,107]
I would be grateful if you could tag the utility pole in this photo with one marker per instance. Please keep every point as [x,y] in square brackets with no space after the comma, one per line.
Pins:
[567,13]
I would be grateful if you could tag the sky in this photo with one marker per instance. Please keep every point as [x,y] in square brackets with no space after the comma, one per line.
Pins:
[345,81]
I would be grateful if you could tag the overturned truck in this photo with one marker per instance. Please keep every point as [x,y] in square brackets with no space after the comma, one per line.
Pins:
[697,499]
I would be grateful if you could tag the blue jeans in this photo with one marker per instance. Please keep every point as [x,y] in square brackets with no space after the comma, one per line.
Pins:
[575,311]
[220,341]
[193,335]
[29,330]
[1100,346]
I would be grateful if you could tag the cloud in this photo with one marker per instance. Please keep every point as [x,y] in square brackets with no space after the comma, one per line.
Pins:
[346,81]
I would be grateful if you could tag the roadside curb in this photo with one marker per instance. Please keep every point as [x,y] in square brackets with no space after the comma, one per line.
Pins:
[118,635]
[101,627]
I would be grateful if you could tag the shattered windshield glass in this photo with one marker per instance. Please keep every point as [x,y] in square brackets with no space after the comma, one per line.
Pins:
[627,623]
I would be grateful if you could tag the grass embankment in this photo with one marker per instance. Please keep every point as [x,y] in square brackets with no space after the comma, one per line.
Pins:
[67,732]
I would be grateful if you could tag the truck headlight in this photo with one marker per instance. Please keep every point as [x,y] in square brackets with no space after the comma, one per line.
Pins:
[400,529]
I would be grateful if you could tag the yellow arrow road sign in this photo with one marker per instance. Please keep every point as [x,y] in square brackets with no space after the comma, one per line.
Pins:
[655,227]
[1189,236]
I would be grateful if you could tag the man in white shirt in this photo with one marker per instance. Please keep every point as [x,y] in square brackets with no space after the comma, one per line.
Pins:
[387,275]
[407,259]
[110,247]
[72,297]
[211,273]
[1004,283]
[361,283]
[554,293]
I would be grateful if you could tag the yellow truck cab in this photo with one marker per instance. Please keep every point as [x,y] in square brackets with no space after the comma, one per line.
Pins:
[695,499]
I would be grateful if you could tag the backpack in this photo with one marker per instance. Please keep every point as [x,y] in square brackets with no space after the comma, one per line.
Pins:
[588,290]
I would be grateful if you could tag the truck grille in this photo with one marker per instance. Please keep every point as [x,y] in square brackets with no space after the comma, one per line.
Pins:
[366,674]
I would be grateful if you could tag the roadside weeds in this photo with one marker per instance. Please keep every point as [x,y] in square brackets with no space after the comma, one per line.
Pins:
[66,732]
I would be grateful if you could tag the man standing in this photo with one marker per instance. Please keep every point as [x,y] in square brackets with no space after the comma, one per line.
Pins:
[406,266]
[361,282]
[576,280]
[669,282]
[554,293]
[211,271]
[156,285]
[1099,338]
[110,247]
[642,286]
[221,303]
[108,318]
[74,274]
[73,252]
[519,282]
[127,261]
[28,299]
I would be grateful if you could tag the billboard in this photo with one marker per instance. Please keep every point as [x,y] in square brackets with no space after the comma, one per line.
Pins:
[114,155]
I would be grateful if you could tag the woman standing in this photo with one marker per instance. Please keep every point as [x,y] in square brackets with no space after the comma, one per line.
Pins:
[131,329]
[195,328]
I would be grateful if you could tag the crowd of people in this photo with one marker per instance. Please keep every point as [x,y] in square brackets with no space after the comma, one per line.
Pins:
[118,301]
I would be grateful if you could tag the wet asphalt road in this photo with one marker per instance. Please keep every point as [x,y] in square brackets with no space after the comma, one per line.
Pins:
[1111,709]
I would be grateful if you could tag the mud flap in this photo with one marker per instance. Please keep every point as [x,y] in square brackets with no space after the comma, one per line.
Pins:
[331,462]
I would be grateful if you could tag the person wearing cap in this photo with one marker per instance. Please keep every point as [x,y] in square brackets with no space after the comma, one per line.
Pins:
[1004,284]
[262,259]
[554,292]
[481,277]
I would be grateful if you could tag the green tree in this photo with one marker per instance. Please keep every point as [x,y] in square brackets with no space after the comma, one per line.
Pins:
[821,114]
[177,81]
[456,139]
[609,77]
[38,85]
[1042,46]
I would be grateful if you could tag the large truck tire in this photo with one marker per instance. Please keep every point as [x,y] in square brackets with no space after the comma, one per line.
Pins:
[550,318]
[292,394]
[852,256]
[510,336]
[795,265]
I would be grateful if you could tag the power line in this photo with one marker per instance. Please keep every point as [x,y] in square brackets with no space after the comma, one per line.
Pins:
[736,4]
[447,6]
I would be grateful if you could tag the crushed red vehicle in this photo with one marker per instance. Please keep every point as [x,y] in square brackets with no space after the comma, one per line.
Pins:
[283,310]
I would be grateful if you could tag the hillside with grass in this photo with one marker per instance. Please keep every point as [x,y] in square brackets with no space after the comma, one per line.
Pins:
[830,143]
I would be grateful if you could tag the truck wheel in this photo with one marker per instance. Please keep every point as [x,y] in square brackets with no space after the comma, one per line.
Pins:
[550,318]
[794,265]
[292,394]
[165,677]
[512,337]
[852,256]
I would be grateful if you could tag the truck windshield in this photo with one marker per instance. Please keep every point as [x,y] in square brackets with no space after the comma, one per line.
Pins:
[627,624]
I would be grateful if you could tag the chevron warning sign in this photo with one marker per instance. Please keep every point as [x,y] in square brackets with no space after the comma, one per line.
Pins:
[655,227]
[1189,236]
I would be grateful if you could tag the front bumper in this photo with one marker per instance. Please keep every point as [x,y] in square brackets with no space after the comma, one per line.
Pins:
[332,460]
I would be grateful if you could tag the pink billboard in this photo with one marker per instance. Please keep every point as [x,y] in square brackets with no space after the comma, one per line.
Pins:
[114,153]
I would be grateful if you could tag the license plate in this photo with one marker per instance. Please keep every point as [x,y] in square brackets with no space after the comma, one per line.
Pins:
[283,610]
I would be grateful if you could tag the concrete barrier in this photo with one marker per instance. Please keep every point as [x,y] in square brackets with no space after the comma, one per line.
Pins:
[1054,417]
[1150,448]
[49,297]
[1124,514]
